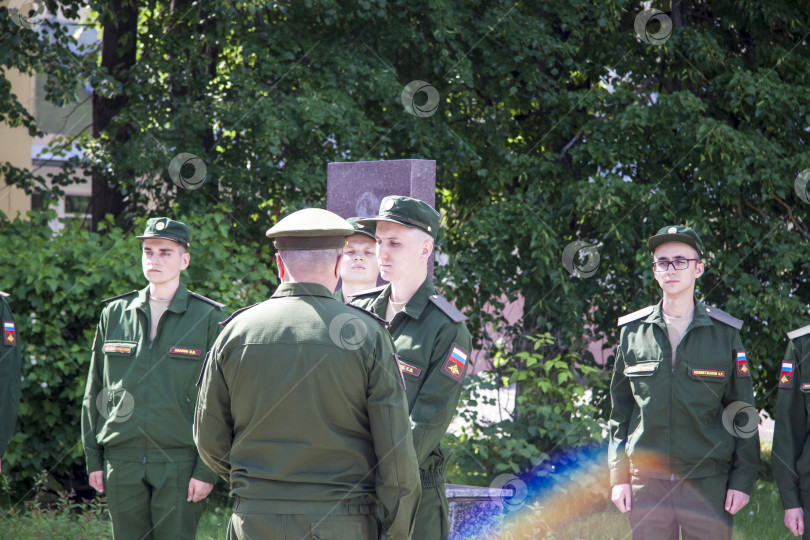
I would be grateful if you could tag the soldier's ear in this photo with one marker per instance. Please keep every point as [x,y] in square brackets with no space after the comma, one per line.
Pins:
[186,259]
[699,269]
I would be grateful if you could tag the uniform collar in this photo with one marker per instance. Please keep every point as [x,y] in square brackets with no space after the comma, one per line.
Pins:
[179,302]
[415,306]
[700,317]
[301,289]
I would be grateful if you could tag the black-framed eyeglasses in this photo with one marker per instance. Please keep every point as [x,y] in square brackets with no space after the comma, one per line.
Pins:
[677,264]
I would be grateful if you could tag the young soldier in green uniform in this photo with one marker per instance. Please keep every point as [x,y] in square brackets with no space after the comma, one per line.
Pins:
[791,461]
[680,376]
[139,403]
[358,268]
[430,338]
[302,405]
[10,376]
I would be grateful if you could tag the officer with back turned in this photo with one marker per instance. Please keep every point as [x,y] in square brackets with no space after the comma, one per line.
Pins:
[302,405]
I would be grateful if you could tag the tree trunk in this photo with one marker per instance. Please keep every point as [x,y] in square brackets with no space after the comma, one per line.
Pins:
[117,56]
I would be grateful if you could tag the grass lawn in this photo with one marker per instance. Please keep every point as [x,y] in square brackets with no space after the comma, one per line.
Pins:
[761,519]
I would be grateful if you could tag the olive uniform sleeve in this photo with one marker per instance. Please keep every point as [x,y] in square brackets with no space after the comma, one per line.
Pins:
[398,484]
[201,471]
[745,456]
[623,405]
[435,406]
[10,379]
[94,453]
[790,431]
[213,423]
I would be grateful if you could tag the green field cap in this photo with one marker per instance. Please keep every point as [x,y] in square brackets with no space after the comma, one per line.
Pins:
[409,212]
[311,228]
[362,229]
[167,229]
[676,233]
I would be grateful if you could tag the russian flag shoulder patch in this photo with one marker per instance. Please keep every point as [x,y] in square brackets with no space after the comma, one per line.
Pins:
[743,370]
[454,365]
[9,334]
[786,375]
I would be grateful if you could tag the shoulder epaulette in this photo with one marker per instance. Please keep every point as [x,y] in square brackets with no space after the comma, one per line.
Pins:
[204,299]
[723,317]
[799,332]
[4,294]
[237,312]
[375,290]
[371,314]
[119,296]
[643,312]
[447,308]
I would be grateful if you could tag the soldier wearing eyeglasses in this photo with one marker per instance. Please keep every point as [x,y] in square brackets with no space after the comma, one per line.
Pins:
[684,446]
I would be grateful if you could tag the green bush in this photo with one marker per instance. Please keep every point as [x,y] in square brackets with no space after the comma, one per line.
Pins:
[541,442]
[57,283]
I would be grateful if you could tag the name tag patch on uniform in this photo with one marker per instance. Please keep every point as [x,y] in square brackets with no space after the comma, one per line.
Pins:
[742,365]
[9,334]
[408,369]
[185,351]
[455,364]
[786,375]
[121,348]
[806,386]
[716,373]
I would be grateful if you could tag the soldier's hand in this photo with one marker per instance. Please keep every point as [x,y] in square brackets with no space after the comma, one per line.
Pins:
[97,481]
[794,521]
[198,490]
[621,496]
[735,500]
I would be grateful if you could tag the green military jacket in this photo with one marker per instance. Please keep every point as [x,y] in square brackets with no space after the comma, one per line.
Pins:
[667,421]
[10,376]
[791,457]
[302,406]
[433,346]
[140,396]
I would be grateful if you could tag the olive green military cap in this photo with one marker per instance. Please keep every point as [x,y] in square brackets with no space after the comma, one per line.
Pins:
[676,233]
[409,212]
[367,230]
[311,228]
[167,229]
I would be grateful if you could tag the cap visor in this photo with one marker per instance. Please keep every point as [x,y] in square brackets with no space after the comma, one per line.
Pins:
[657,240]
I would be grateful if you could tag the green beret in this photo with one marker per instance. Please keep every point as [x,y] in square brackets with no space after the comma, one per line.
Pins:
[409,212]
[676,233]
[311,228]
[367,230]
[167,229]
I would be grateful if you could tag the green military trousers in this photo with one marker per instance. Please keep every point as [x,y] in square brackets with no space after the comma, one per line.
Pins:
[695,507]
[254,519]
[148,501]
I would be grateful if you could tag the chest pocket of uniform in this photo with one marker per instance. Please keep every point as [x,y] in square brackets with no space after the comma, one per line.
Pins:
[188,353]
[412,371]
[120,348]
[642,362]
